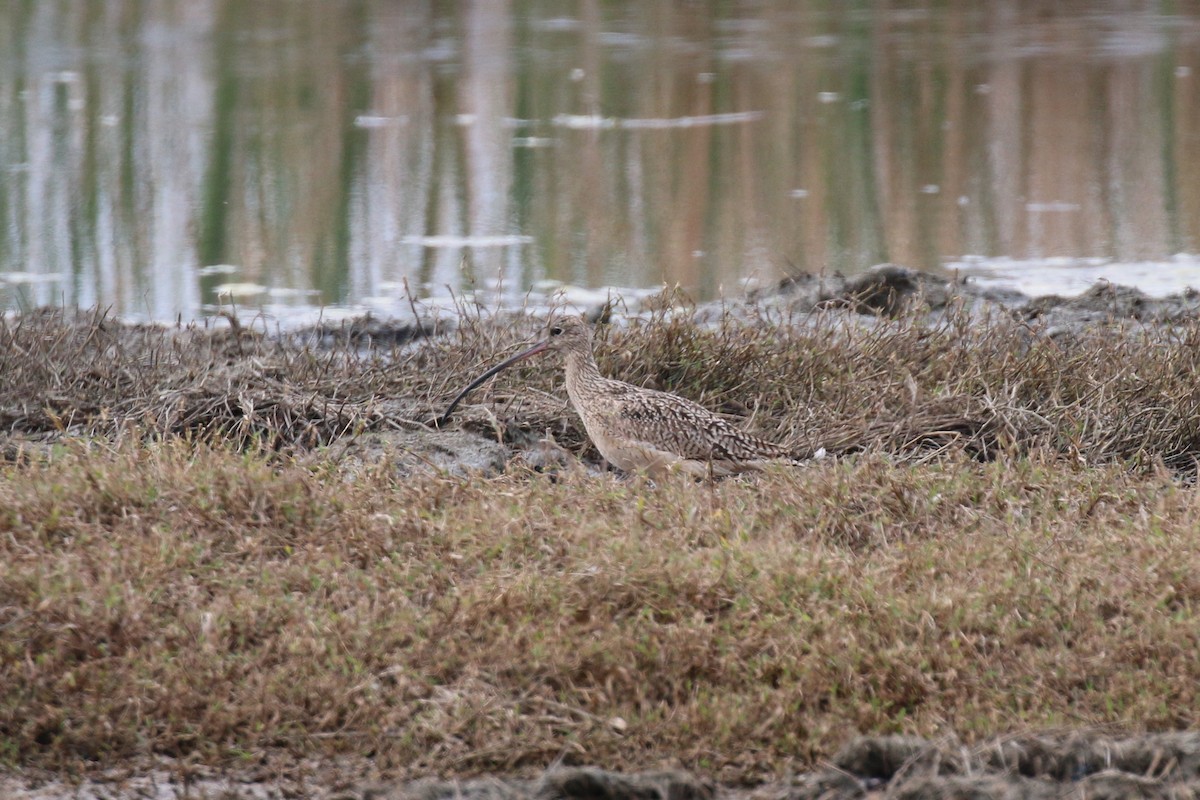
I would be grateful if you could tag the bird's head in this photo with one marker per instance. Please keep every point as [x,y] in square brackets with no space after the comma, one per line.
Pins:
[565,334]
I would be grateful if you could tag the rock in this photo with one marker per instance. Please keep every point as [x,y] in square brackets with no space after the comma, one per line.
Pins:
[591,783]
[476,789]
[879,756]
[978,787]
[889,288]
[454,451]
[573,783]
[1106,303]
[884,289]
[825,785]
[546,455]
[371,331]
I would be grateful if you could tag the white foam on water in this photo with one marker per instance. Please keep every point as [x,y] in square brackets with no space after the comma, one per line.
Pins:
[593,122]
[219,269]
[30,277]
[379,121]
[239,289]
[467,241]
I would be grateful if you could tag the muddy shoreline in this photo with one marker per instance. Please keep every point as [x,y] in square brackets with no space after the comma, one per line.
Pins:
[882,292]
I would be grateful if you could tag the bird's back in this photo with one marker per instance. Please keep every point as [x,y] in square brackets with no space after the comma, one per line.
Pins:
[636,428]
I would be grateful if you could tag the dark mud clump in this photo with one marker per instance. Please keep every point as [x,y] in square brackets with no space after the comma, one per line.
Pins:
[1031,767]
[564,783]
[890,290]
[886,289]
[1105,302]
[1081,764]
[371,331]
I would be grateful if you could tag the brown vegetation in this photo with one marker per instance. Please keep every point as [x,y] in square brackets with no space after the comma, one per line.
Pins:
[1011,547]
[903,385]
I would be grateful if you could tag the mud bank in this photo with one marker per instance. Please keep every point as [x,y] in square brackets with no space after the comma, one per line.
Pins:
[1024,767]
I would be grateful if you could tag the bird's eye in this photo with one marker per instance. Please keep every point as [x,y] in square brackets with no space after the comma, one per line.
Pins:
[555,330]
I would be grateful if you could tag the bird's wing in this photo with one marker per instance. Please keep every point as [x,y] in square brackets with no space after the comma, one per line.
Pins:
[691,431]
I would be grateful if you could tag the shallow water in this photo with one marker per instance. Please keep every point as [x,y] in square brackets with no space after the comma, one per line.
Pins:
[163,158]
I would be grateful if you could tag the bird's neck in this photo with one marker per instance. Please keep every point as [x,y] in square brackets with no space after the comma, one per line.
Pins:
[581,368]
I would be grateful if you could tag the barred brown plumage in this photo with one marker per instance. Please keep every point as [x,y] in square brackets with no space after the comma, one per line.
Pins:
[642,429]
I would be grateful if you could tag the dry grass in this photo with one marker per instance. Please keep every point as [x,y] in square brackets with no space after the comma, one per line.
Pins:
[182,599]
[1009,548]
[901,386]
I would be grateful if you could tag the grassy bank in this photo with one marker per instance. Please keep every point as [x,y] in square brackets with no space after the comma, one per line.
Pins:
[1006,540]
[182,599]
[903,386]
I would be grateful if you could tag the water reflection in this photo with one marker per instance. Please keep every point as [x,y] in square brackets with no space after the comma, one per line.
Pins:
[160,156]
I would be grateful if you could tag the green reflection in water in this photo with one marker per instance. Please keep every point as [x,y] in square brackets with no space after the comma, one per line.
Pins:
[314,145]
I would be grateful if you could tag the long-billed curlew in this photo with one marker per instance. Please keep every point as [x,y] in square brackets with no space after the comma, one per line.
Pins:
[643,429]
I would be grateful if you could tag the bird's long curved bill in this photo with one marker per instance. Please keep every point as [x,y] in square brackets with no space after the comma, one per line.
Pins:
[537,348]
